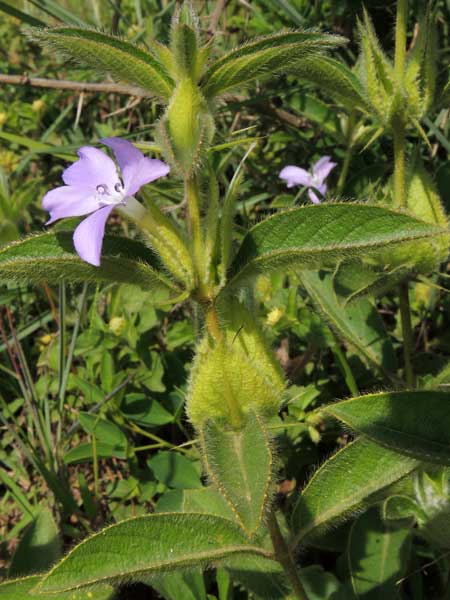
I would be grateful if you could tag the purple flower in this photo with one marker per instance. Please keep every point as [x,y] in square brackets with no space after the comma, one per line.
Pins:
[94,187]
[315,179]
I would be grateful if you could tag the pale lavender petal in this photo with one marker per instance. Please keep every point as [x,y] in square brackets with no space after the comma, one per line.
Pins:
[68,201]
[92,169]
[313,197]
[137,170]
[296,176]
[146,171]
[88,236]
[322,188]
[322,168]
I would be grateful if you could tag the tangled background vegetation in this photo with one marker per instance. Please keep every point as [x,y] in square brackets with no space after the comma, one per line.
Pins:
[94,376]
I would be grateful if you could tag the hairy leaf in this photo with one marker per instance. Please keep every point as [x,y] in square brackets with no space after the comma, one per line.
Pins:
[359,323]
[335,78]
[240,464]
[354,280]
[321,235]
[263,58]
[344,483]
[416,423]
[378,555]
[140,547]
[21,589]
[109,54]
[51,257]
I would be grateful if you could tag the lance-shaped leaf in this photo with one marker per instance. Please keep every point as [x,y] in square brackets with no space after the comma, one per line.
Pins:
[240,464]
[22,589]
[359,324]
[146,546]
[264,57]
[317,236]
[354,280]
[349,480]
[109,54]
[51,257]
[378,555]
[416,423]
[335,78]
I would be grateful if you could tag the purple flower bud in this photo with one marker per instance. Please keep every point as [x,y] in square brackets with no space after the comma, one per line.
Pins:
[314,179]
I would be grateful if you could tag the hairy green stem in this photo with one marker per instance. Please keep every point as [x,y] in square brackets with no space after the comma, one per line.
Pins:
[405,314]
[399,165]
[344,171]
[193,201]
[346,369]
[284,556]
[213,323]
[398,124]
[400,198]
[348,154]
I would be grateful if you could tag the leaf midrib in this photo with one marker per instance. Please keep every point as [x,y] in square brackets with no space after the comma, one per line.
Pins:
[181,561]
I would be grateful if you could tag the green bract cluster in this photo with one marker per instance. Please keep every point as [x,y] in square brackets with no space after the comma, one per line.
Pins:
[186,75]
[235,374]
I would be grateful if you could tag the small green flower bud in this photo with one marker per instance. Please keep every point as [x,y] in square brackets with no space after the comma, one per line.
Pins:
[187,128]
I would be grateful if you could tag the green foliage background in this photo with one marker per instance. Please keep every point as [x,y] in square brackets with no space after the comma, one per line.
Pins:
[117,357]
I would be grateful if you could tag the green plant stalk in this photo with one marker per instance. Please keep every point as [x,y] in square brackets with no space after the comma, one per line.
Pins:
[405,315]
[400,183]
[204,293]
[399,165]
[344,171]
[95,465]
[192,195]
[348,154]
[213,323]
[345,367]
[284,556]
